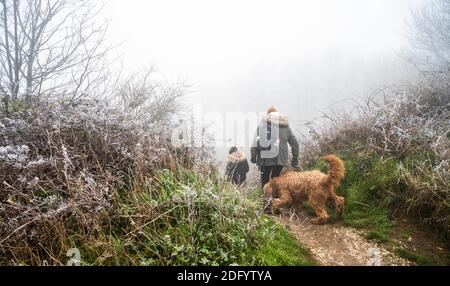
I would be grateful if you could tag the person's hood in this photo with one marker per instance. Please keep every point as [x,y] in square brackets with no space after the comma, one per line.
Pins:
[277,118]
[236,157]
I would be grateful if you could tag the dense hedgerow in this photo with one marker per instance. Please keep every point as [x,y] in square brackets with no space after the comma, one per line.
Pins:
[396,149]
[61,167]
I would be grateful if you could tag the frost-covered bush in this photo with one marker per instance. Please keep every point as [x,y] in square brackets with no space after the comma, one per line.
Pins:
[16,155]
[61,144]
[410,125]
[396,121]
[61,167]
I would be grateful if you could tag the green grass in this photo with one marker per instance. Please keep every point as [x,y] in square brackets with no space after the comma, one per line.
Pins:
[375,220]
[282,249]
[277,246]
[183,219]
[417,258]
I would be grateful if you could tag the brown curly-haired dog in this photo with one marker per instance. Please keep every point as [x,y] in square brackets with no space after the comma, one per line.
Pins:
[315,187]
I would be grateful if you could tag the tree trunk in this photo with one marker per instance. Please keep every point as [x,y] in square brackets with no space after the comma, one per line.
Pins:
[15,91]
[8,57]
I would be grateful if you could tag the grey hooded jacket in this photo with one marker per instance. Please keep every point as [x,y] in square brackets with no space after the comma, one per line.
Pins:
[270,145]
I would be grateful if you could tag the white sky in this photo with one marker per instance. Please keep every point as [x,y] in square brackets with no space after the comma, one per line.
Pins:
[190,34]
[204,40]
[245,55]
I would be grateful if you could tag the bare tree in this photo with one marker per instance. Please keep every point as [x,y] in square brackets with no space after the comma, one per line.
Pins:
[430,36]
[149,98]
[51,48]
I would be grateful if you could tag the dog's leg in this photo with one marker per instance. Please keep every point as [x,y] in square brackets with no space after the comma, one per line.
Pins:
[267,198]
[339,203]
[319,207]
[298,205]
[284,200]
[322,217]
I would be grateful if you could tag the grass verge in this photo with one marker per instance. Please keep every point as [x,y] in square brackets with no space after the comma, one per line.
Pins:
[375,195]
[417,258]
[281,248]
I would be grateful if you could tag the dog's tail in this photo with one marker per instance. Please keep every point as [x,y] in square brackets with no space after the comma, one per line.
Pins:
[336,172]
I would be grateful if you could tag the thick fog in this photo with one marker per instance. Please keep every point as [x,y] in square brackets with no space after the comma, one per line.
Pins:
[244,56]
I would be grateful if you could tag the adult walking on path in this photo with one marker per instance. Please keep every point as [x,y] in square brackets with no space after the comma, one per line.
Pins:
[270,146]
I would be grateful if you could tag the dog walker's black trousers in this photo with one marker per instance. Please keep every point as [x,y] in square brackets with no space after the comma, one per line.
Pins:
[270,172]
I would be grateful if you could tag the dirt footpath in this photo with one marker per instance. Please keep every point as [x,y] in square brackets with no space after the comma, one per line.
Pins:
[338,245]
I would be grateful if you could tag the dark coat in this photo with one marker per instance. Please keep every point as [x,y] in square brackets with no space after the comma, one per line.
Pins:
[237,168]
[274,150]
